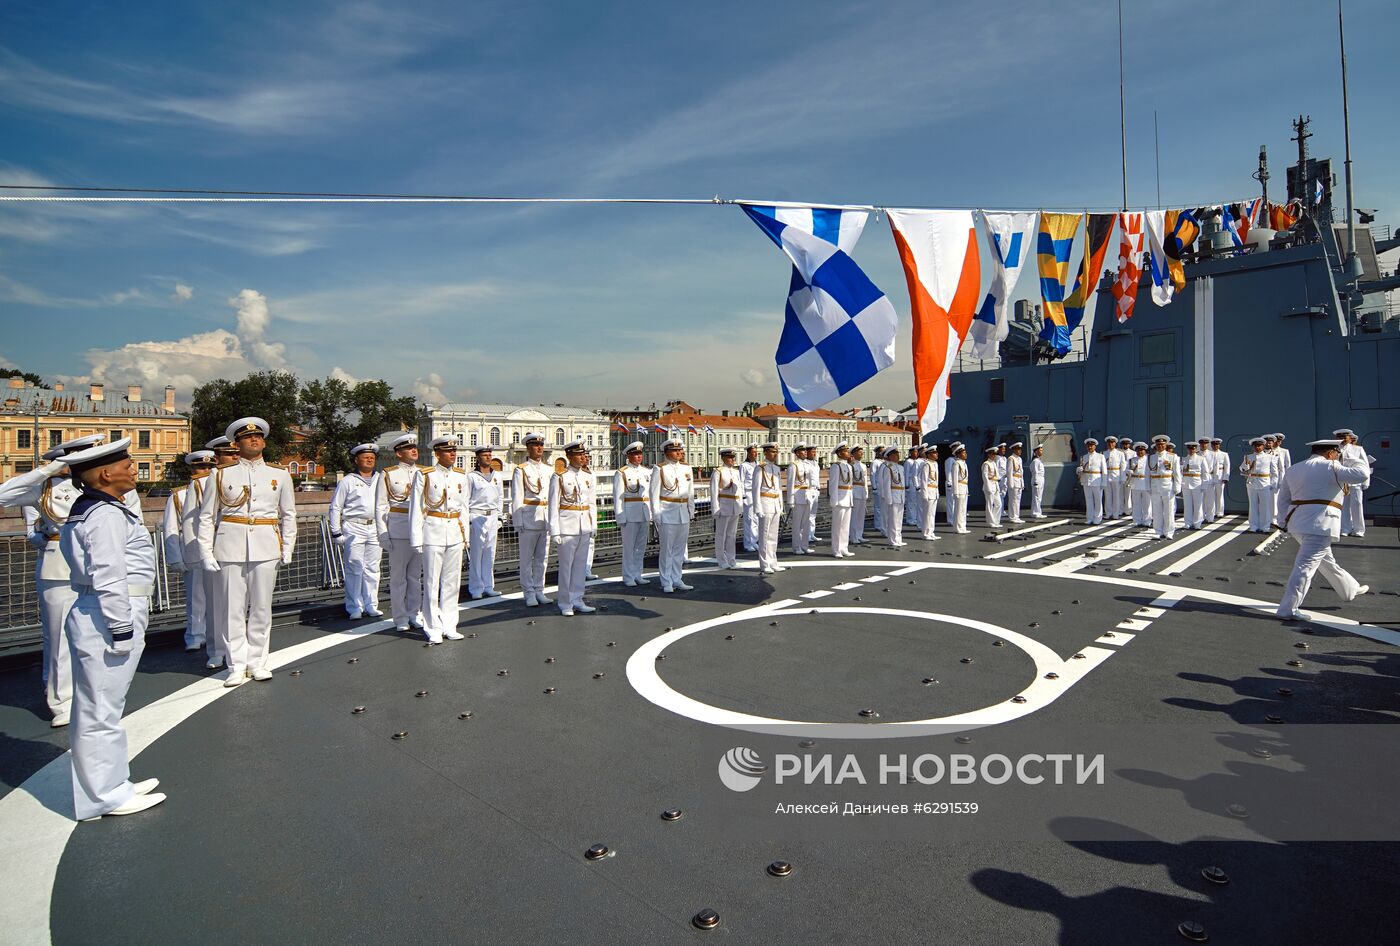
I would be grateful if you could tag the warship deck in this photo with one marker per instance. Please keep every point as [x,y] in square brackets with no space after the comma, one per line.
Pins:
[293,819]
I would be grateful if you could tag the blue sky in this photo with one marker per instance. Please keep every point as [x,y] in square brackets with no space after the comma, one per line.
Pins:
[1010,105]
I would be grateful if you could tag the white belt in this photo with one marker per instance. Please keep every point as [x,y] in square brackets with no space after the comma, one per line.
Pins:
[133,590]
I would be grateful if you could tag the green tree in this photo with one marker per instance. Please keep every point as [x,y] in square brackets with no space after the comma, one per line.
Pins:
[29,376]
[337,416]
[271,395]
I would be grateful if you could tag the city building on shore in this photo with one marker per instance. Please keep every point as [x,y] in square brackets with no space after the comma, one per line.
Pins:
[504,425]
[704,435]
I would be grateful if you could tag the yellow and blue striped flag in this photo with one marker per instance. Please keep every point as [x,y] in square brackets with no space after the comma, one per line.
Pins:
[1057,232]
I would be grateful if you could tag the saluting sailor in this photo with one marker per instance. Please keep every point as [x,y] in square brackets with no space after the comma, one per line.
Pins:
[1311,498]
[437,508]
[1037,466]
[840,484]
[746,475]
[726,506]
[767,502]
[928,492]
[1113,481]
[1092,470]
[355,528]
[1354,509]
[672,498]
[991,487]
[1163,481]
[1258,468]
[892,496]
[1140,485]
[1015,481]
[957,485]
[176,529]
[247,525]
[860,495]
[485,504]
[1193,486]
[799,497]
[632,512]
[529,512]
[393,510]
[573,520]
[112,567]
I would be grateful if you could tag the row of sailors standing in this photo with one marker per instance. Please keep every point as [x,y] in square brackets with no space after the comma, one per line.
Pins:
[1143,482]
[1269,460]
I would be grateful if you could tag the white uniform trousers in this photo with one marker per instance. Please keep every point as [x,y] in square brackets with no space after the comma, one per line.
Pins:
[726,532]
[673,536]
[1353,513]
[534,558]
[215,615]
[55,600]
[929,521]
[750,528]
[1164,513]
[1093,504]
[1219,489]
[1013,502]
[196,608]
[1112,504]
[1037,494]
[993,500]
[246,590]
[1192,507]
[768,528]
[573,569]
[811,522]
[405,583]
[442,588]
[101,770]
[857,529]
[361,555]
[957,515]
[1314,555]
[911,509]
[634,549]
[481,573]
[1142,507]
[894,523]
[1208,513]
[879,516]
[1261,510]
[840,530]
[801,527]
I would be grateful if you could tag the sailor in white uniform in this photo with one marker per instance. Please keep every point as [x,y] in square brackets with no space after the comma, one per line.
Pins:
[892,490]
[176,531]
[801,492]
[1003,473]
[632,512]
[1207,480]
[112,567]
[814,492]
[573,521]
[949,512]
[1092,471]
[877,460]
[1015,481]
[1222,474]
[1037,469]
[1311,498]
[1140,485]
[991,487]
[1353,506]
[485,505]
[746,474]
[928,493]
[860,495]
[957,486]
[394,515]
[216,613]
[913,498]
[1193,487]
[437,528]
[355,527]
[247,527]
[1113,481]
[726,506]
[840,484]
[1258,468]
[529,512]
[1125,444]
[767,503]
[1163,483]
[1285,458]
[672,496]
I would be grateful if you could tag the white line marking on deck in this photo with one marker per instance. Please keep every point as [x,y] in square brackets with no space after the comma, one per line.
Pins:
[816,594]
[1177,542]
[1035,545]
[1117,640]
[1035,528]
[1077,543]
[846,585]
[1181,564]
[1133,624]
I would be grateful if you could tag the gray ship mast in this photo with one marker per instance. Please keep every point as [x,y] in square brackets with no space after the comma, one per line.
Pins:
[1353,264]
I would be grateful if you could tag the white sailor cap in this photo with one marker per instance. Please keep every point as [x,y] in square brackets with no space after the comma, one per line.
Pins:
[1343,432]
[880,449]
[751,446]
[1216,440]
[532,437]
[635,446]
[1276,436]
[1161,438]
[195,457]
[1268,436]
[1037,447]
[726,451]
[1140,444]
[577,446]
[1203,440]
[1109,439]
[842,445]
[1191,445]
[891,449]
[799,446]
[245,426]
[219,443]
[672,444]
[363,448]
[73,446]
[443,443]
[100,455]
[1170,444]
[484,448]
[1090,440]
[1326,443]
[955,445]
[770,445]
[1020,444]
[407,440]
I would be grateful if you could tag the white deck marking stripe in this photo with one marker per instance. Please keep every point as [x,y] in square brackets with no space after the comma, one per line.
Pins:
[1149,612]
[1181,564]
[874,578]
[1117,640]
[846,585]
[1177,543]
[1035,528]
[816,594]
[904,571]
[1133,624]
[1095,556]
[1077,543]
[1035,545]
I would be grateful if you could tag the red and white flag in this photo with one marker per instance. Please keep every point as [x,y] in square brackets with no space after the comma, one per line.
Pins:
[943,269]
[1125,287]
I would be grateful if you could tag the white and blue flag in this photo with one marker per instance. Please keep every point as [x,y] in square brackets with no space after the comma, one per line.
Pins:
[1013,235]
[1319,191]
[838,328]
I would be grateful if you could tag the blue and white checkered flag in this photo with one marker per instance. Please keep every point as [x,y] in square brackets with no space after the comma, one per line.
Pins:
[838,328]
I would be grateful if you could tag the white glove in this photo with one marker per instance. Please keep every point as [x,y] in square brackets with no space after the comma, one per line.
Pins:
[211,566]
[287,558]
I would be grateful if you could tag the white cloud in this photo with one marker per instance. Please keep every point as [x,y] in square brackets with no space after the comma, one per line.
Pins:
[429,389]
[182,293]
[754,377]
[117,298]
[340,374]
[253,319]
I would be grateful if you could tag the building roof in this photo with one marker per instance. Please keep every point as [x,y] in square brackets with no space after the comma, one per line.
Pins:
[550,411]
[717,421]
[778,410]
[27,399]
[875,427]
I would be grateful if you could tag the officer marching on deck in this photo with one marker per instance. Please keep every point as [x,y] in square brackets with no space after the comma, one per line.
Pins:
[1163,483]
[891,486]
[394,514]
[928,493]
[112,567]
[1354,510]
[840,484]
[1113,480]
[632,512]
[437,507]
[1312,498]
[176,531]
[672,497]
[1092,471]
[860,495]
[1258,467]
[767,503]
[355,527]
[485,504]
[726,506]
[1140,485]
[800,495]
[746,475]
[1037,467]
[247,527]
[573,521]
[529,512]
[991,487]
[1015,481]
[957,486]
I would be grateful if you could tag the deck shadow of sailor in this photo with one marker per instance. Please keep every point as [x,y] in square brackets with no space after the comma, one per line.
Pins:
[1274,895]
[1369,699]
[21,758]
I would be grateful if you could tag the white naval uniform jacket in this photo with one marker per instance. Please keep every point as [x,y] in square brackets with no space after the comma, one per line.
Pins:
[928,478]
[766,494]
[1354,451]
[191,496]
[1092,469]
[948,474]
[529,495]
[840,483]
[631,493]
[1002,476]
[801,486]
[110,556]
[1015,473]
[572,503]
[860,480]
[1193,472]
[248,514]
[43,521]
[1222,466]
[671,493]
[1258,470]
[438,508]
[891,483]
[957,480]
[1137,473]
[1038,470]
[485,496]
[1115,460]
[1313,491]
[353,506]
[24,489]
[726,491]
[746,474]
[170,529]
[1163,473]
[991,475]
[392,500]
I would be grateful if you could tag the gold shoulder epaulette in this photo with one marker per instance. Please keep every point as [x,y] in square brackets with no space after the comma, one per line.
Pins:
[425,469]
[200,475]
